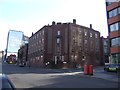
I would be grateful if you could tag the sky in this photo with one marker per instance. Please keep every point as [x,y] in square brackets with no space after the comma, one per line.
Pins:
[30,15]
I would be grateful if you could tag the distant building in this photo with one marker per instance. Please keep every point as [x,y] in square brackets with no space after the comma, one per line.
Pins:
[1,55]
[113,16]
[25,40]
[64,45]
[23,55]
[14,40]
[105,50]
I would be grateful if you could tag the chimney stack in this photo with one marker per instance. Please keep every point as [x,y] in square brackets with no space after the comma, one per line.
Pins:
[74,21]
[32,33]
[91,26]
[59,23]
[53,23]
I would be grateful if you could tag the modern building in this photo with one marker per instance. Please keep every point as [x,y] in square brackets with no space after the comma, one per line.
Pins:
[113,17]
[64,45]
[105,50]
[14,40]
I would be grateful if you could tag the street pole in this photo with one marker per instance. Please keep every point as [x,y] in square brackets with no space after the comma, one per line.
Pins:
[7,46]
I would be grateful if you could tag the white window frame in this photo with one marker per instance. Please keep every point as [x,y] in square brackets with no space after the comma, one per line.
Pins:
[58,32]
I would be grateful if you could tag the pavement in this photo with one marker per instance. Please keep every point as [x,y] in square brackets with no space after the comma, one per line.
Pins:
[99,72]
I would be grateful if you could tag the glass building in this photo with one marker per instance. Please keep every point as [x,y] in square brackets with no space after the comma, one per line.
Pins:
[14,40]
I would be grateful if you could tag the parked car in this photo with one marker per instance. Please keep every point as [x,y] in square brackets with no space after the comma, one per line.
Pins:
[6,83]
[112,67]
[21,65]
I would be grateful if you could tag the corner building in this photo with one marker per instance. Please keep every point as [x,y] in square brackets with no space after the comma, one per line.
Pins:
[64,45]
[113,17]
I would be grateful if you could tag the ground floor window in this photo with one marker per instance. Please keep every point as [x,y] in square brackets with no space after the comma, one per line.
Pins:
[116,58]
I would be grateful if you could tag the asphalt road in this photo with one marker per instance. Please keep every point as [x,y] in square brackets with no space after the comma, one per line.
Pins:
[25,77]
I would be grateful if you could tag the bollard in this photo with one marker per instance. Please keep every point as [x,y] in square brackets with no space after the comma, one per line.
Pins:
[86,72]
[90,69]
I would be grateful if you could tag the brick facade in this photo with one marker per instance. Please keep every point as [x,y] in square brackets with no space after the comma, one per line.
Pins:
[113,18]
[64,45]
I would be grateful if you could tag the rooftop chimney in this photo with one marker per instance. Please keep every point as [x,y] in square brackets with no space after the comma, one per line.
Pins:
[74,21]
[59,23]
[53,23]
[32,33]
[91,26]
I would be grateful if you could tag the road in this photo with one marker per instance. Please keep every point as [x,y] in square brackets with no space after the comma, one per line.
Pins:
[25,77]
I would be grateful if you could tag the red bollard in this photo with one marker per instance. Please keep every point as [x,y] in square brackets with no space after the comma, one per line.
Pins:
[86,71]
[90,69]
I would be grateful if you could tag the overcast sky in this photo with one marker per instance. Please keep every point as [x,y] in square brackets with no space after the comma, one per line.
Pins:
[31,15]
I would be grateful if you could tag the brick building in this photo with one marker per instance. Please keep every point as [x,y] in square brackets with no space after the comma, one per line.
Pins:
[105,50]
[64,45]
[23,55]
[113,16]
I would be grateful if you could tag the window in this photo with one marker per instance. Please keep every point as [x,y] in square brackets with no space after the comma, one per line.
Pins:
[91,42]
[58,40]
[80,41]
[80,33]
[116,58]
[105,50]
[105,43]
[58,32]
[43,41]
[110,14]
[85,33]
[115,27]
[37,35]
[79,38]
[96,35]
[115,41]
[90,34]
[85,41]
[43,32]
[119,10]
[109,3]
[114,12]
[62,58]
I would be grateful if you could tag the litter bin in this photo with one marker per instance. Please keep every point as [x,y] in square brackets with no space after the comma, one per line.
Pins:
[90,69]
[86,69]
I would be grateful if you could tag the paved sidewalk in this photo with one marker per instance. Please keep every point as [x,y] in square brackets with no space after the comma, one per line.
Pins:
[99,73]
[106,77]
[95,75]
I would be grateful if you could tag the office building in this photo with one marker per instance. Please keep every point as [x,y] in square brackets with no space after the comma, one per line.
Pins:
[113,17]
